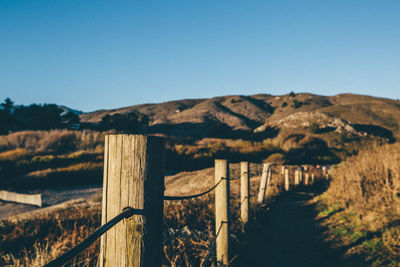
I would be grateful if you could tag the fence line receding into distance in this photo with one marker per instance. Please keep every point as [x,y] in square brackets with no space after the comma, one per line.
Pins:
[133,192]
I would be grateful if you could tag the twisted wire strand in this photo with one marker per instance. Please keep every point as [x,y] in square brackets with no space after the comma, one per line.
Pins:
[193,196]
[212,247]
[126,213]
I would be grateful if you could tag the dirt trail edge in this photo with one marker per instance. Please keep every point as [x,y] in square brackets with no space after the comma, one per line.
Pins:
[291,235]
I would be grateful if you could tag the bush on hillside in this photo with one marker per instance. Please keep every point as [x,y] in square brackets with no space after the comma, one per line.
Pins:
[297,104]
[129,123]
[314,128]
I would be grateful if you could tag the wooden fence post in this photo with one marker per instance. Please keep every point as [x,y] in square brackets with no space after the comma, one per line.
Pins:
[244,191]
[306,178]
[263,183]
[269,181]
[133,177]
[301,175]
[287,181]
[325,172]
[222,219]
[296,178]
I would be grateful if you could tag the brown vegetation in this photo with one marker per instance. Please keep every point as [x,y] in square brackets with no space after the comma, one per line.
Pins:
[187,235]
[36,241]
[364,202]
[369,184]
[56,141]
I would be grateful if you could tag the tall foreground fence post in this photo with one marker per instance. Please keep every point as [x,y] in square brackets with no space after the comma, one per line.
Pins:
[244,191]
[222,220]
[133,177]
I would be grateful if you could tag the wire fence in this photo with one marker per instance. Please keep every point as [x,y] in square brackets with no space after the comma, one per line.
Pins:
[126,213]
[207,259]
[193,196]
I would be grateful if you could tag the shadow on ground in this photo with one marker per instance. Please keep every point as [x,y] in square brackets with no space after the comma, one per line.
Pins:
[291,235]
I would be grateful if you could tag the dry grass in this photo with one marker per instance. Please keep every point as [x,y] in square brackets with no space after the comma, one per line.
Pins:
[56,141]
[369,184]
[363,201]
[187,236]
[15,154]
[36,241]
[188,232]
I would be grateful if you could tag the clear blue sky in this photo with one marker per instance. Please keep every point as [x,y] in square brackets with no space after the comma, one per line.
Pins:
[106,54]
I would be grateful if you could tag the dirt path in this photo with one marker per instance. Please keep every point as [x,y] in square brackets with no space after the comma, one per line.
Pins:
[292,236]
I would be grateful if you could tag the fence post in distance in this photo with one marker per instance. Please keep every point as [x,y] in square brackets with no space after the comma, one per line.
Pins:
[296,178]
[287,181]
[306,178]
[244,191]
[263,183]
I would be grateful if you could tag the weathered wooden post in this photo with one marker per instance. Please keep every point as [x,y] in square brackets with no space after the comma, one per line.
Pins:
[287,181]
[296,178]
[244,191]
[306,178]
[325,172]
[133,177]
[222,220]
[269,181]
[263,183]
[301,175]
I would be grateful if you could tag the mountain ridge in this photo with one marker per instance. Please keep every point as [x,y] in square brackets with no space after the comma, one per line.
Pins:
[249,113]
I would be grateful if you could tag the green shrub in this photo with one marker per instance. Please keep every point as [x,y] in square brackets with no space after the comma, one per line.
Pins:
[297,104]
[314,128]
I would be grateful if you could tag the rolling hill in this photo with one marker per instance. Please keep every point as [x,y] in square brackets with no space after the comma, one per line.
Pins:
[247,116]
